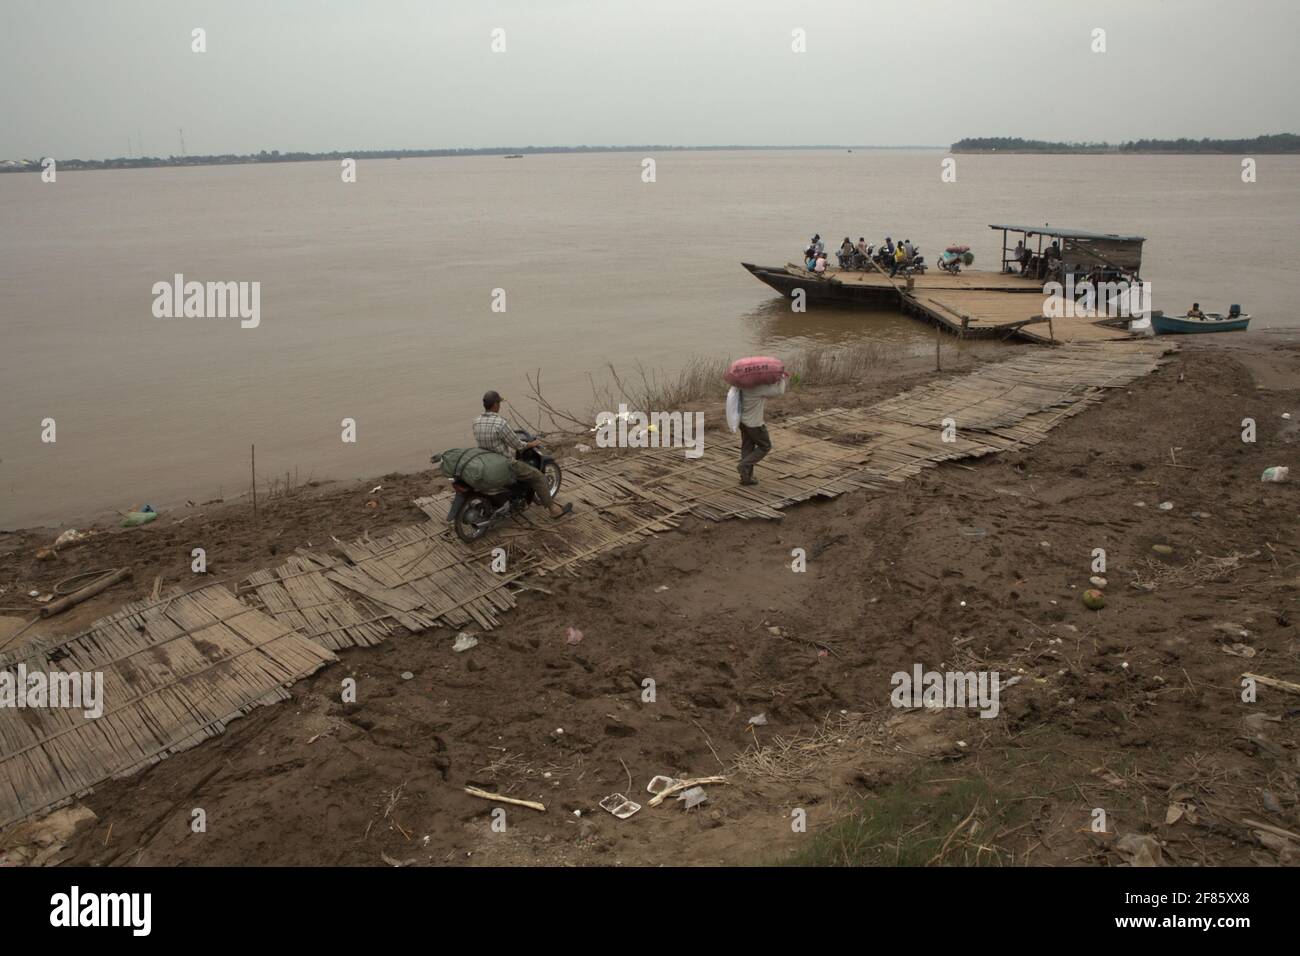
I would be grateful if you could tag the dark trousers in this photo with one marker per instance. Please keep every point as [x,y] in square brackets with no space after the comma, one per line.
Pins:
[534,479]
[754,446]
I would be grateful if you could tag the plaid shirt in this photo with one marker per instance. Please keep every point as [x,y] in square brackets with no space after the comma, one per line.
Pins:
[493,433]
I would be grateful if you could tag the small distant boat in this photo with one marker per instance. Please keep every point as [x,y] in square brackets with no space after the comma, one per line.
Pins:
[1234,321]
[515,156]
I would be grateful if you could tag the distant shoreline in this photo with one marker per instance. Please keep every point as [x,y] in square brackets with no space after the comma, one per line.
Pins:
[275,156]
[1272,144]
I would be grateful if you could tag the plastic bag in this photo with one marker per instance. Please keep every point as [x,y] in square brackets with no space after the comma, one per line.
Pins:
[733,408]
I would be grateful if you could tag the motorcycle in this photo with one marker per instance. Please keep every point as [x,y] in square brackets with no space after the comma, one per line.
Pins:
[914,265]
[954,257]
[474,513]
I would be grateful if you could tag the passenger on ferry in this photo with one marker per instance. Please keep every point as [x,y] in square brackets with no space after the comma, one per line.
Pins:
[845,255]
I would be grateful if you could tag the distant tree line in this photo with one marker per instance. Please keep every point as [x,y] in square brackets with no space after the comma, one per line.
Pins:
[1273,143]
[275,156]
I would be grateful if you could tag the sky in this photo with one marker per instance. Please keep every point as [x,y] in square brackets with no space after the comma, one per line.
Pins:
[93,79]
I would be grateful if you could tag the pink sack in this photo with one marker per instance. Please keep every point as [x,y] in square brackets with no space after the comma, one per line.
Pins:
[754,371]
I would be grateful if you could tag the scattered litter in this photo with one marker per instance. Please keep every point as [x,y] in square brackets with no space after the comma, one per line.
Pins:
[572,635]
[678,785]
[1046,545]
[45,554]
[394,862]
[659,784]
[1277,473]
[1239,650]
[661,589]
[407,675]
[372,504]
[375,490]
[1098,582]
[758,720]
[1094,600]
[1139,849]
[1271,803]
[692,797]
[971,532]
[464,642]
[1231,629]
[1166,506]
[1162,548]
[68,537]
[1140,504]
[582,449]
[776,631]
[620,805]
[133,519]
[1259,722]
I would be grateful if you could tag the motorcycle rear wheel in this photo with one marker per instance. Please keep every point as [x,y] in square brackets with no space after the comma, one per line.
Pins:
[474,518]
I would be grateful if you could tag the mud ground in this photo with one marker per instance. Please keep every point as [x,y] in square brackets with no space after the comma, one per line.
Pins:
[1133,710]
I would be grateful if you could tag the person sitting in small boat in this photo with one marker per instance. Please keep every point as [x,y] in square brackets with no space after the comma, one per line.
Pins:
[845,255]
[820,265]
[887,250]
[1195,311]
[810,260]
[817,245]
[911,252]
[864,250]
[1022,256]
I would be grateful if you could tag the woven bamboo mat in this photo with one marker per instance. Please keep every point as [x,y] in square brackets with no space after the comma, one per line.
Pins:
[174,673]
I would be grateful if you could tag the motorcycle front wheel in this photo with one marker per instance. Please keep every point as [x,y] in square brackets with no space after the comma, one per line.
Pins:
[473,519]
[553,477]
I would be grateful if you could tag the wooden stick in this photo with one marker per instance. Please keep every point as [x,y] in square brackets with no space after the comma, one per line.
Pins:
[1268,828]
[1274,682]
[484,795]
[683,785]
[252,467]
[76,597]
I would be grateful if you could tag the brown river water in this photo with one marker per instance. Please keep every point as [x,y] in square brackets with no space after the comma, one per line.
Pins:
[376,296]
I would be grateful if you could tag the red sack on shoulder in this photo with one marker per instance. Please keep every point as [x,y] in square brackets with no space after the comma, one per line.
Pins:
[754,371]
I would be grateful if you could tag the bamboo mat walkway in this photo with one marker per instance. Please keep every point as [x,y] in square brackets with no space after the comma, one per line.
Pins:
[175,672]
[178,669]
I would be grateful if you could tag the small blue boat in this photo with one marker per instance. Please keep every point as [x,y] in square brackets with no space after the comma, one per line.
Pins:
[1234,321]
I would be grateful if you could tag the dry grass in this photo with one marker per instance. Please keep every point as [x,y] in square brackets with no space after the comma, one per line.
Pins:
[700,380]
[1202,569]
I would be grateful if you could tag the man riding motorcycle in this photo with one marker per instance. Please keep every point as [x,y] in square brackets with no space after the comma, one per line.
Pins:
[493,433]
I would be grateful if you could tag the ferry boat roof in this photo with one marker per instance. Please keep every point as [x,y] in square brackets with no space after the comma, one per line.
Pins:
[1066,233]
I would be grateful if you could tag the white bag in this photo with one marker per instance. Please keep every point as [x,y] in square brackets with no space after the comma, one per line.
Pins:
[733,408]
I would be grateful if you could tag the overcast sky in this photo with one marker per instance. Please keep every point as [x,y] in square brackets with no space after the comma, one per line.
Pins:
[83,76]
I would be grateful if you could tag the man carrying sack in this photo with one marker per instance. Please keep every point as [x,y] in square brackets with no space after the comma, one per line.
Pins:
[493,433]
[746,403]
